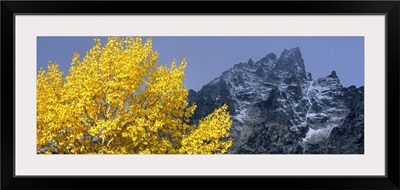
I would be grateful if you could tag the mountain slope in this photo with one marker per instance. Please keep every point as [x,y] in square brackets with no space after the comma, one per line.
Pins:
[277,108]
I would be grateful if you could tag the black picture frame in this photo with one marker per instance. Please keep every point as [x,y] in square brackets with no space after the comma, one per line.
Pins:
[11,8]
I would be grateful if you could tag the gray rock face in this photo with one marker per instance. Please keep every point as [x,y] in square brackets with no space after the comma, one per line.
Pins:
[277,108]
[348,138]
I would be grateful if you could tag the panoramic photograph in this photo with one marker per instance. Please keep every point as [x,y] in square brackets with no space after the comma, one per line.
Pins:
[200,95]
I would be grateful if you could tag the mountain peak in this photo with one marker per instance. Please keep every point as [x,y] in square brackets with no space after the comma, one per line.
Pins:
[270,56]
[333,75]
[277,108]
[250,62]
[292,56]
[267,62]
[290,62]
[294,52]
[332,81]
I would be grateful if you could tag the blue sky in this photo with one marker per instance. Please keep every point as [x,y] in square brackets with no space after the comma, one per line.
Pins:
[208,57]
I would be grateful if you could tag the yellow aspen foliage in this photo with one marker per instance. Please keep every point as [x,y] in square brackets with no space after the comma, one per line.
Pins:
[205,139]
[116,100]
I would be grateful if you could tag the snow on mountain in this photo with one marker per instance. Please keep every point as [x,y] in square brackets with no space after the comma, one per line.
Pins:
[277,107]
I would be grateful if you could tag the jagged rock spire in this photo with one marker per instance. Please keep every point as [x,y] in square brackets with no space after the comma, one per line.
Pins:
[277,108]
[290,64]
[333,75]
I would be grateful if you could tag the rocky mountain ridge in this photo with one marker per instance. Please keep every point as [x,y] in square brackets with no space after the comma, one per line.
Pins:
[277,108]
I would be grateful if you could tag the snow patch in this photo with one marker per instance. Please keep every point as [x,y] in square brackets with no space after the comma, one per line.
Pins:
[281,109]
[214,81]
[241,115]
[310,87]
[314,115]
[318,134]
